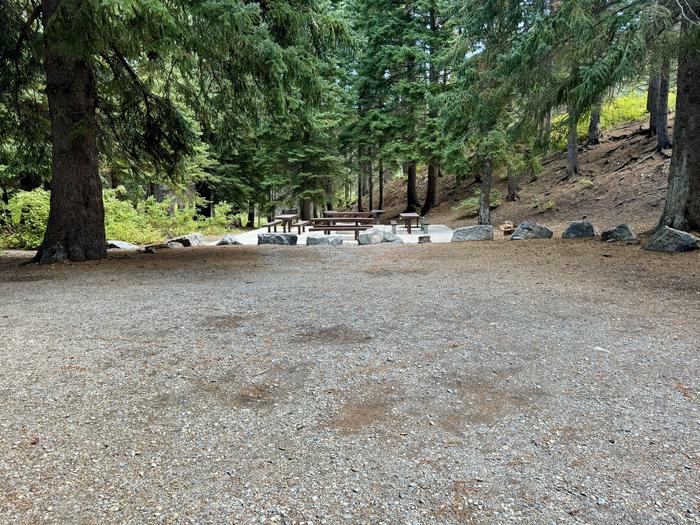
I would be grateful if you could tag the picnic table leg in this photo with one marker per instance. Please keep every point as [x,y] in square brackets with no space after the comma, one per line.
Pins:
[408,226]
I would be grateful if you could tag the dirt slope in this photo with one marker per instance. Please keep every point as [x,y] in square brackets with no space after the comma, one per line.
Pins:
[621,181]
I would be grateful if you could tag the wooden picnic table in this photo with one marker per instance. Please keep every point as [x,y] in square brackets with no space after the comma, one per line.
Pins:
[287,220]
[408,219]
[333,213]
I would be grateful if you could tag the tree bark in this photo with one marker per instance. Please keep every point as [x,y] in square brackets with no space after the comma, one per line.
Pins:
[572,144]
[663,141]
[485,196]
[370,179]
[512,195]
[594,125]
[76,228]
[432,190]
[359,191]
[307,209]
[653,103]
[411,194]
[251,215]
[682,209]
[381,185]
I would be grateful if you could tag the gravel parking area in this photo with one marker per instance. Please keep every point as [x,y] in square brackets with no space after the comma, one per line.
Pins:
[532,382]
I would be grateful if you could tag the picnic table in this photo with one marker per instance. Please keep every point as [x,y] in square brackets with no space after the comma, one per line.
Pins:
[408,219]
[287,220]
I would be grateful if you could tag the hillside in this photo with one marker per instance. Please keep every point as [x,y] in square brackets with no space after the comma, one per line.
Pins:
[621,180]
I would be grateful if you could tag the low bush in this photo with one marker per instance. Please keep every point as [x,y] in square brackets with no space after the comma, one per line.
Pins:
[470,207]
[23,220]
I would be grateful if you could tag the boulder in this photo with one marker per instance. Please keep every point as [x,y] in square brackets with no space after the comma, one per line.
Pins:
[530,230]
[121,245]
[377,236]
[172,244]
[287,239]
[229,240]
[579,230]
[193,239]
[326,240]
[672,241]
[424,239]
[482,232]
[621,232]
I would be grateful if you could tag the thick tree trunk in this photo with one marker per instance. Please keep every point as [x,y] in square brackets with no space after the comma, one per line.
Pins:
[370,197]
[485,196]
[512,187]
[653,103]
[381,185]
[431,194]
[76,228]
[360,175]
[251,216]
[663,141]
[594,125]
[411,193]
[572,144]
[682,210]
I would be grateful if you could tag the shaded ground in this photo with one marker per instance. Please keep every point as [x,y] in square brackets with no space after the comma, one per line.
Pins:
[476,383]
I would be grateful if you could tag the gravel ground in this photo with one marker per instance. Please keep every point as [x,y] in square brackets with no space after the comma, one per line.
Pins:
[536,382]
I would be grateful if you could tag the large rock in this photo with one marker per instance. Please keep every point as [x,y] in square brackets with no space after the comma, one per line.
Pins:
[121,245]
[530,230]
[229,240]
[579,230]
[326,240]
[621,232]
[377,236]
[193,239]
[482,232]
[287,239]
[672,241]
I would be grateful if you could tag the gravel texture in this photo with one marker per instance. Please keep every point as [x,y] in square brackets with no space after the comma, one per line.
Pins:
[539,382]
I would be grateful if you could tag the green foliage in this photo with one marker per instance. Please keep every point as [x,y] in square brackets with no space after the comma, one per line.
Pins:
[586,183]
[24,218]
[470,207]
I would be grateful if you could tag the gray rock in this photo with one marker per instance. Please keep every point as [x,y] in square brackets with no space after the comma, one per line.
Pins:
[229,240]
[326,240]
[287,239]
[424,239]
[672,241]
[621,232]
[579,230]
[376,236]
[530,230]
[121,245]
[173,244]
[482,232]
[193,239]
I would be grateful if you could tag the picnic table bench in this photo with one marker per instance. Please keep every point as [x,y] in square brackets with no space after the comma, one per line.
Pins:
[272,224]
[301,226]
[408,219]
[327,228]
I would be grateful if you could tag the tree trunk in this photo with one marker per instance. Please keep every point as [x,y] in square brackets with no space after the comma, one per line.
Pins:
[76,227]
[432,190]
[251,215]
[682,210]
[485,196]
[381,185]
[307,209]
[594,125]
[653,103]
[572,144]
[512,187]
[370,179]
[663,141]
[359,191]
[411,194]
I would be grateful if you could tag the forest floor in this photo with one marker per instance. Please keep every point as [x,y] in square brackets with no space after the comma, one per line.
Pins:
[620,180]
[528,382]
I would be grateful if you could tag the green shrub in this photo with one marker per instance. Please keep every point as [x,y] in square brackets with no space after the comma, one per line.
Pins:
[23,219]
[470,207]
[585,182]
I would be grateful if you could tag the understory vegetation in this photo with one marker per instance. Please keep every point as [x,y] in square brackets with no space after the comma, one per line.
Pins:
[23,219]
